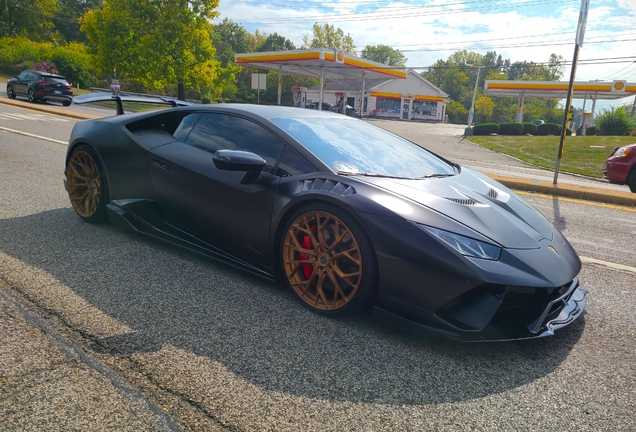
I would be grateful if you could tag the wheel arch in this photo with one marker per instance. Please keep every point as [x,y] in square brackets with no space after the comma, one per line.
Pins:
[77,143]
[291,208]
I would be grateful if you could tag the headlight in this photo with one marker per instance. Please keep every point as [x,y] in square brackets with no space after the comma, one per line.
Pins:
[465,245]
[622,152]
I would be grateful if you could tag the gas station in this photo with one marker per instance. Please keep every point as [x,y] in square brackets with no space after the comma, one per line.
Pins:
[593,90]
[320,63]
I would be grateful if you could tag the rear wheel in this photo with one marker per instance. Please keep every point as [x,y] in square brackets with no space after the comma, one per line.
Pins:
[328,261]
[66,103]
[31,95]
[10,93]
[86,184]
[631,181]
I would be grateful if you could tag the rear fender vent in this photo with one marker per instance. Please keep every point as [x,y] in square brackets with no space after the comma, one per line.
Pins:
[325,185]
[493,193]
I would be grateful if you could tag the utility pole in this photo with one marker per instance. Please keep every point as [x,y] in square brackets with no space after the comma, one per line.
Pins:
[471,113]
[580,33]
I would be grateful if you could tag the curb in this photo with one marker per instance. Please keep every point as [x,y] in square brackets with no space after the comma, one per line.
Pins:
[587,193]
[63,112]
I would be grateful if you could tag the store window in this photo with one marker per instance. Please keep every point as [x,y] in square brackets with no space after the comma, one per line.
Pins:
[388,105]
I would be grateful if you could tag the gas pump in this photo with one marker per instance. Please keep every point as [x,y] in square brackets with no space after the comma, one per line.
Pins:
[588,120]
[300,96]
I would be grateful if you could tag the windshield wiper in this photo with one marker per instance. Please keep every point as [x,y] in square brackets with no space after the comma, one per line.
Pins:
[437,176]
[349,173]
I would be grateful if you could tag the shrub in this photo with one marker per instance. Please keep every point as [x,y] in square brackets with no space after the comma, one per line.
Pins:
[456,112]
[529,128]
[614,121]
[592,130]
[510,128]
[74,62]
[485,129]
[45,66]
[548,129]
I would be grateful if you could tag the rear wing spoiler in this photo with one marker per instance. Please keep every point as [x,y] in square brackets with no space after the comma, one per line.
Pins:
[120,99]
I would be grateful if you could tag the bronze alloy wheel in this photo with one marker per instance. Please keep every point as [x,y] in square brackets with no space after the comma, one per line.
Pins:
[83,183]
[322,260]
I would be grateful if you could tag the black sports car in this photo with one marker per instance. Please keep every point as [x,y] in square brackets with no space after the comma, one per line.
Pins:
[347,214]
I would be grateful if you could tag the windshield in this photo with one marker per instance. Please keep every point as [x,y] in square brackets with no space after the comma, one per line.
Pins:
[354,147]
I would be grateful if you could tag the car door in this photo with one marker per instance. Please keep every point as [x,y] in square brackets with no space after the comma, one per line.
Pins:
[20,86]
[210,202]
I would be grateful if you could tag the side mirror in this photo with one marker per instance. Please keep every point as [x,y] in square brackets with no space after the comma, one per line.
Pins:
[235,160]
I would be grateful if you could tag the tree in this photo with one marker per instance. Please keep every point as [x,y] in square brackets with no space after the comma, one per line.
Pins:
[32,18]
[327,36]
[67,18]
[276,42]
[159,43]
[384,54]
[614,121]
[484,107]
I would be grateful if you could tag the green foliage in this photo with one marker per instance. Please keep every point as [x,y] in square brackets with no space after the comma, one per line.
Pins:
[511,128]
[66,19]
[161,43]
[485,129]
[327,36]
[614,121]
[384,54]
[276,42]
[548,129]
[74,62]
[32,18]
[592,130]
[484,107]
[529,128]
[456,112]
[71,60]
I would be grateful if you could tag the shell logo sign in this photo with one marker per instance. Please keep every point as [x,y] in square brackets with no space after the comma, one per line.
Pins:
[340,56]
[618,86]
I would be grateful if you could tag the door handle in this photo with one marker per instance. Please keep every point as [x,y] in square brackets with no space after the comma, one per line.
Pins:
[161,164]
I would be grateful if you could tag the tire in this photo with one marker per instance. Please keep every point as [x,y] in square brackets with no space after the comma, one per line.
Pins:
[32,97]
[631,181]
[327,260]
[10,93]
[66,103]
[86,184]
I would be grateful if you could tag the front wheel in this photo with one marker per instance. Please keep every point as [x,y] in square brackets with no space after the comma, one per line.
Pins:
[86,184]
[328,261]
[631,181]
[10,93]
[31,95]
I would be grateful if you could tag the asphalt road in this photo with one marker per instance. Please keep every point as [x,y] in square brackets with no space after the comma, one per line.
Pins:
[218,349]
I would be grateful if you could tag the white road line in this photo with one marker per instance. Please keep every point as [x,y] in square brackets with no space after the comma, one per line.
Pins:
[37,117]
[609,264]
[34,136]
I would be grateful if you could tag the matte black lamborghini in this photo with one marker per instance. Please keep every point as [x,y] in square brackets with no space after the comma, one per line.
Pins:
[347,214]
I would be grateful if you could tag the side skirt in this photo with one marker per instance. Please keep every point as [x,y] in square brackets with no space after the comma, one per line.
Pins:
[138,216]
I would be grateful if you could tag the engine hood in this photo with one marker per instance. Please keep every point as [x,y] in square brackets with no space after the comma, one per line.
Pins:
[477,202]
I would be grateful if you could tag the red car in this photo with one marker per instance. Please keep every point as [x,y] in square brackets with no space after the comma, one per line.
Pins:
[620,166]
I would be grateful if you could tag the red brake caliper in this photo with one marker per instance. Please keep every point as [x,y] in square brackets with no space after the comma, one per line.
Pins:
[307,268]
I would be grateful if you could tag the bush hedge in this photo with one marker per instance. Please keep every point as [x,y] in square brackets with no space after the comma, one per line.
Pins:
[548,129]
[592,130]
[510,128]
[71,60]
[529,128]
[485,129]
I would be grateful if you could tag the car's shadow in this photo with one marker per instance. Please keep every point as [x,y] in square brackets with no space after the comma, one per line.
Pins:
[258,331]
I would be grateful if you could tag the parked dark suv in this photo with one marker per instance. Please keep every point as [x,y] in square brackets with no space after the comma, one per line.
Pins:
[40,86]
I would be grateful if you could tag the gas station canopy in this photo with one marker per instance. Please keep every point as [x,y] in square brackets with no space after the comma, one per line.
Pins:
[559,89]
[319,62]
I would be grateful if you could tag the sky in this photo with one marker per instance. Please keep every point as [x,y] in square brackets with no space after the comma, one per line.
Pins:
[428,30]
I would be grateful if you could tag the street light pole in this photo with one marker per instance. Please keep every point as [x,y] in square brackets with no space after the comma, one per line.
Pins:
[471,113]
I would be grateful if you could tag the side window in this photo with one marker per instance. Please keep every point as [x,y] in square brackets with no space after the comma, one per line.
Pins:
[31,76]
[222,131]
[22,76]
[186,125]
[291,163]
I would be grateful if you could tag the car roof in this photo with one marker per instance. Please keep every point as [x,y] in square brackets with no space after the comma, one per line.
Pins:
[263,111]
[46,73]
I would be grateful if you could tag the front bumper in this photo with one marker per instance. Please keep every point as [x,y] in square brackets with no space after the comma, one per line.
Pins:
[558,313]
